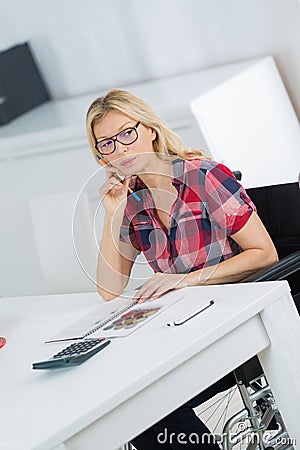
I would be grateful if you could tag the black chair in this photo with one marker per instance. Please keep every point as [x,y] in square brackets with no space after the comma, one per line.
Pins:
[279,209]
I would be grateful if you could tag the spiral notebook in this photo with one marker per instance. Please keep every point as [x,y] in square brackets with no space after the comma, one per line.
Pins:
[117,318]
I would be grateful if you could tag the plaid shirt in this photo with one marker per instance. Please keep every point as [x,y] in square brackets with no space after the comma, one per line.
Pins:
[210,207]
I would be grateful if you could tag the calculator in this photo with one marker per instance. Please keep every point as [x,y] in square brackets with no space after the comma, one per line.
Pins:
[74,354]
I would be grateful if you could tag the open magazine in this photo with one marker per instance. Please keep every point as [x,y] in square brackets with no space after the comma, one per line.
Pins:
[117,318]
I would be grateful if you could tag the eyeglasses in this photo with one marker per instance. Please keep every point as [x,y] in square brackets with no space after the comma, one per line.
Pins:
[125,137]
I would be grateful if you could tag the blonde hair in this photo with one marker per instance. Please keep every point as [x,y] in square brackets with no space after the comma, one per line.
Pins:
[167,144]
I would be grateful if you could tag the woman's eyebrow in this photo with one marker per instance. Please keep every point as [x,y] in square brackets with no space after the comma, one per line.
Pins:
[119,129]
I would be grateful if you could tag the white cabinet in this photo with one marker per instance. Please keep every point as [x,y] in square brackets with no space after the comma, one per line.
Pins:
[249,124]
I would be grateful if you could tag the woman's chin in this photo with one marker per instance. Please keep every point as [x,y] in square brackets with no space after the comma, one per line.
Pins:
[130,170]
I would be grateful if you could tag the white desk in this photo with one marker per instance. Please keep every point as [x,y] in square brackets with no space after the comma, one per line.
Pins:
[135,381]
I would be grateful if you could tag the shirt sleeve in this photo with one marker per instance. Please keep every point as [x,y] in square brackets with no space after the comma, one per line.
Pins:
[228,204]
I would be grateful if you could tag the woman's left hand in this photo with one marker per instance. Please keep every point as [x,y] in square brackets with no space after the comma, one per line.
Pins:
[159,284]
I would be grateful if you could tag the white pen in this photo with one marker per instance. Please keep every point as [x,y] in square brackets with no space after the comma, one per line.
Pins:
[191,315]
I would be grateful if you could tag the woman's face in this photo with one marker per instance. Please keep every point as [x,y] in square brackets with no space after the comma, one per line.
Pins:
[130,159]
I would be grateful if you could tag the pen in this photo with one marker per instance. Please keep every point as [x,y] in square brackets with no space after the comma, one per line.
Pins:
[119,178]
[191,315]
[129,189]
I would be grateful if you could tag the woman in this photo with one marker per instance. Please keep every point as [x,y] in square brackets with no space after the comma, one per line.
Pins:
[190,217]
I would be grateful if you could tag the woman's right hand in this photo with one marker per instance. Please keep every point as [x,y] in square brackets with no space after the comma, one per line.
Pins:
[114,192]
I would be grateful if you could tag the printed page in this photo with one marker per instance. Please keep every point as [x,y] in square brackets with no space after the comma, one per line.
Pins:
[117,318]
[89,321]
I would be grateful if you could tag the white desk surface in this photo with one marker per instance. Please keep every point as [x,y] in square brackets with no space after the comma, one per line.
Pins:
[111,393]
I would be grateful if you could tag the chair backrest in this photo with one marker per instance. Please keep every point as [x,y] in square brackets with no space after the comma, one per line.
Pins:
[279,209]
[67,249]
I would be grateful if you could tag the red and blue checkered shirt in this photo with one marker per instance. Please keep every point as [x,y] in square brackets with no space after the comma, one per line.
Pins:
[210,207]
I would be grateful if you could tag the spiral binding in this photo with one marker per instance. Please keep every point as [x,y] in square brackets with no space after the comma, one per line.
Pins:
[111,318]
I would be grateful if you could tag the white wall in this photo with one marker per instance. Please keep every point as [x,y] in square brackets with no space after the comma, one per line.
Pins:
[83,46]
[20,270]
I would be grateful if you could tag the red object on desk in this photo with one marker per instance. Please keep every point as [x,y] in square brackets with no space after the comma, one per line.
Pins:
[2,342]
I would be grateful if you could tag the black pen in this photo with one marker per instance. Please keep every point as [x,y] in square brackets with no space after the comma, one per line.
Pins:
[191,315]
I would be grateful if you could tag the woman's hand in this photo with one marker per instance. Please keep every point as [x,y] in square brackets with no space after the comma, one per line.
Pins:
[159,284]
[113,192]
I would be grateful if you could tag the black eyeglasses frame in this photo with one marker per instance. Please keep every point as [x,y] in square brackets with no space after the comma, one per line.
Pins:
[114,138]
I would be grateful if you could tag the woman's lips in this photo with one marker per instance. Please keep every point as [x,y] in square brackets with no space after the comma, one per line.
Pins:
[128,161]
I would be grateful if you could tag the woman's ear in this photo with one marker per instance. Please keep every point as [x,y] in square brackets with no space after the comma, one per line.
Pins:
[153,134]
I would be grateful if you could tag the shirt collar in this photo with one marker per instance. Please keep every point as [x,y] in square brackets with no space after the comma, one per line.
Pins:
[178,171]
[178,168]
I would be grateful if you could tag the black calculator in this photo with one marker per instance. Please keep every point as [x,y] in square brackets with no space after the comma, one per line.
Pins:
[74,354]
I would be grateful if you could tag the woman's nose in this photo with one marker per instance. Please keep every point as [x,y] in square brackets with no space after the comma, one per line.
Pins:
[120,148]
